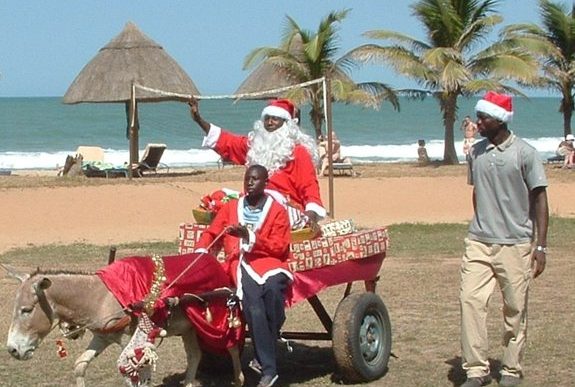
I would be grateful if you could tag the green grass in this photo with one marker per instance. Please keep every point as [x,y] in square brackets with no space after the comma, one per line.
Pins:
[419,285]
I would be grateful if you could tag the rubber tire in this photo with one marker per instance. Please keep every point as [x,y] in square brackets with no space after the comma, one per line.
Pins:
[357,316]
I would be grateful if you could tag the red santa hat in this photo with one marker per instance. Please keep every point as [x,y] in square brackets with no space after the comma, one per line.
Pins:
[496,105]
[282,108]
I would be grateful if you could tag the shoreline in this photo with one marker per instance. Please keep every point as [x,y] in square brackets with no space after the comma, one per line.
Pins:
[44,210]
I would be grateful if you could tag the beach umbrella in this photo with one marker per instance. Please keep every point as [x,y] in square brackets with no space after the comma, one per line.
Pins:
[130,58]
[265,77]
[268,76]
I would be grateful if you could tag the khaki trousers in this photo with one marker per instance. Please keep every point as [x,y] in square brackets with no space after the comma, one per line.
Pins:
[483,266]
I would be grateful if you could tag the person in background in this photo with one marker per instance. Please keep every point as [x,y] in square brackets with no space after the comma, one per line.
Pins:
[422,157]
[335,153]
[511,216]
[256,243]
[567,150]
[277,143]
[469,129]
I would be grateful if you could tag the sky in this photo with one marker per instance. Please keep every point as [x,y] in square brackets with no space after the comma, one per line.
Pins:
[45,44]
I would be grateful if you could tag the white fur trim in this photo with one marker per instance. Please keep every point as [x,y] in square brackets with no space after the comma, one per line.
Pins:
[211,139]
[493,110]
[276,111]
[319,210]
[260,280]
[277,196]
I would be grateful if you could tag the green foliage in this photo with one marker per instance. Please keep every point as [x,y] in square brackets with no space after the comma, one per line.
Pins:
[81,255]
[409,239]
[554,43]
[305,55]
[420,239]
[448,63]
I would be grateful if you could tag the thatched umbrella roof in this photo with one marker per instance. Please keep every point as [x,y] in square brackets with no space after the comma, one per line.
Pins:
[268,76]
[265,77]
[129,57]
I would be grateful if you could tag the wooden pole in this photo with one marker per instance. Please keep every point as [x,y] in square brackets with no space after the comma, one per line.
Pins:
[134,126]
[327,101]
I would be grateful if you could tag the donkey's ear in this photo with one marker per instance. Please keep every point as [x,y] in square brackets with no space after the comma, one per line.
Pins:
[12,272]
[44,283]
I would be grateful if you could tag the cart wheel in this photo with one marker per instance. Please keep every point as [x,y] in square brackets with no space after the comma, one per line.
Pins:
[361,338]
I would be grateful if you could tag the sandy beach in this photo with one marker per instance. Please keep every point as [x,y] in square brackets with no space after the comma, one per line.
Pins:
[151,209]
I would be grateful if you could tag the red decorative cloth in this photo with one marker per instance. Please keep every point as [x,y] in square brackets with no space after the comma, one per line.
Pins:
[310,282]
[297,180]
[130,280]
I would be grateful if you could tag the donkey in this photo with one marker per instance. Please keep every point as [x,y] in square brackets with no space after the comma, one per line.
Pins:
[45,300]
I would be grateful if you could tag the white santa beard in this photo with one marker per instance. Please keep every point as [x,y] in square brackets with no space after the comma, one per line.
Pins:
[270,149]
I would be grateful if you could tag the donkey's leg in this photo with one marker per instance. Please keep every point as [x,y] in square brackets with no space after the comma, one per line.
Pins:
[238,374]
[193,355]
[97,345]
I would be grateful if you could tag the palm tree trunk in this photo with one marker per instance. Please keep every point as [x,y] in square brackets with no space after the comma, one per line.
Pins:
[449,107]
[316,120]
[567,108]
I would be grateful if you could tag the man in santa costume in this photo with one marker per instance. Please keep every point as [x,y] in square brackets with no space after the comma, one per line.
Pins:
[256,239]
[277,143]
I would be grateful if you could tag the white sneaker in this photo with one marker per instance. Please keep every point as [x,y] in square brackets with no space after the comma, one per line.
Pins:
[267,381]
[255,366]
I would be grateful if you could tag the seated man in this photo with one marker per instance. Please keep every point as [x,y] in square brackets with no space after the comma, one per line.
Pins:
[567,150]
[277,143]
[335,153]
[256,232]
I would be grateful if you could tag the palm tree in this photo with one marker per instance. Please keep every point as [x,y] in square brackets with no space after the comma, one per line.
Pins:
[558,56]
[305,56]
[446,65]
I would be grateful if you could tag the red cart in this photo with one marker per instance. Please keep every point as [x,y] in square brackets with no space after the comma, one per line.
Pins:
[360,330]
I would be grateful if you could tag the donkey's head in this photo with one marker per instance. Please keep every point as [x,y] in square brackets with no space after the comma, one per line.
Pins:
[32,318]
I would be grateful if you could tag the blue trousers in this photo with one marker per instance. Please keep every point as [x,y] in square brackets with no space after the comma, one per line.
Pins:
[264,311]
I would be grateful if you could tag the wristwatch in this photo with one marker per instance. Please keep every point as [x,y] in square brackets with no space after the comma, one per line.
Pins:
[543,249]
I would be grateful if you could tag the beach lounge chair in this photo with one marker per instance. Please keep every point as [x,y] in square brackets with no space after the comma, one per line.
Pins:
[150,161]
[93,164]
[343,167]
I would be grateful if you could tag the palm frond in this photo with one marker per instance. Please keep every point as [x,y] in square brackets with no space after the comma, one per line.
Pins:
[393,36]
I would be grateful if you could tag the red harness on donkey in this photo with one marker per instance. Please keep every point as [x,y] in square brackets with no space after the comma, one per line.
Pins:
[131,280]
[149,282]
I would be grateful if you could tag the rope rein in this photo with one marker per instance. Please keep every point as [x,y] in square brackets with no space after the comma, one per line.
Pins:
[191,264]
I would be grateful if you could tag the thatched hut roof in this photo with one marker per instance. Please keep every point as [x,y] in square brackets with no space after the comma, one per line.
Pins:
[129,57]
[265,77]
[268,76]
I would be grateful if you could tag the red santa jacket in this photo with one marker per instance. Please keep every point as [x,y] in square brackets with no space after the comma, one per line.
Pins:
[269,251]
[297,180]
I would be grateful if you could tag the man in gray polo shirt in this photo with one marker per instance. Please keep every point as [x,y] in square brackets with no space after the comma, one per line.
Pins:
[510,217]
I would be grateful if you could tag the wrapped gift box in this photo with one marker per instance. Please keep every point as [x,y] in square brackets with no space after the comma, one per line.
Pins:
[309,254]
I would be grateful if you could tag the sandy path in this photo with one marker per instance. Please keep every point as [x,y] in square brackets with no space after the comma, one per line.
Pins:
[110,214]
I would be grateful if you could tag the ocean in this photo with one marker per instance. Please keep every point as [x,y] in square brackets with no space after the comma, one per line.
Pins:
[38,133]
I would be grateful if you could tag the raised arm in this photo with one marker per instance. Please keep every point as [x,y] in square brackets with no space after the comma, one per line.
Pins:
[195,112]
